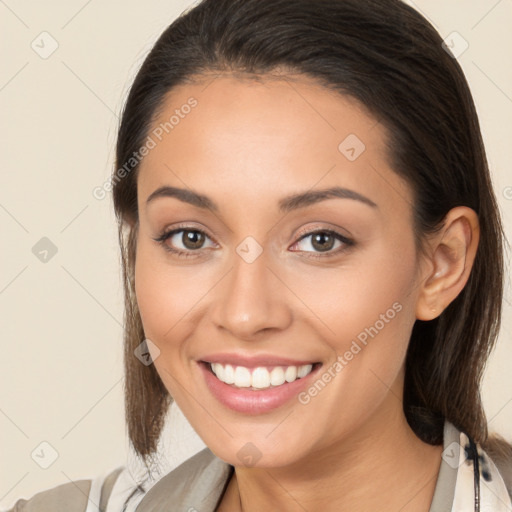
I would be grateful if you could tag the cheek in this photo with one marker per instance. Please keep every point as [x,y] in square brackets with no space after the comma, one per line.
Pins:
[372,294]
[163,309]
[367,316]
[169,298]
[367,311]
[155,289]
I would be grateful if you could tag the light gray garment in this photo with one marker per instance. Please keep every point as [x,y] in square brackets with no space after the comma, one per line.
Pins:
[198,484]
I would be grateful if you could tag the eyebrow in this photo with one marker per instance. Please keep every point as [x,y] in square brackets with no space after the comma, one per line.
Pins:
[286,204]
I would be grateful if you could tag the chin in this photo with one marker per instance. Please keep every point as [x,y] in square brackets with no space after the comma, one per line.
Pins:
[258,454]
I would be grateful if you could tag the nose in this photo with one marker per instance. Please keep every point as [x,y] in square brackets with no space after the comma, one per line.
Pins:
[252,299]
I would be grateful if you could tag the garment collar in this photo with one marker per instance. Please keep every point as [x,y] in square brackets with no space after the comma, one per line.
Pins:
[199,482]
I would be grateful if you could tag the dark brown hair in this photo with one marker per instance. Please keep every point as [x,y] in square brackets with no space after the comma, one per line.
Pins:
[388,57]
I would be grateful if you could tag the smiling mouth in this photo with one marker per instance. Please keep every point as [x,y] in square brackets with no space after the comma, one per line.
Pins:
[261,377]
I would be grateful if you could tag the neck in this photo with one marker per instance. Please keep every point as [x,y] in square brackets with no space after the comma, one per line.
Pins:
[382,466]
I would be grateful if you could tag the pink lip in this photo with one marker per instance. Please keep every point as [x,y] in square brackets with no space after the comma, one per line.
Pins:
[268,360]
[250,401]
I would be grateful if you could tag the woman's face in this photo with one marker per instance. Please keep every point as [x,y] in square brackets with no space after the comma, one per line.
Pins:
[275,274]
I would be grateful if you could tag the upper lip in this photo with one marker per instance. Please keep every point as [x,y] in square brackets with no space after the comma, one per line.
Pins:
[253,361]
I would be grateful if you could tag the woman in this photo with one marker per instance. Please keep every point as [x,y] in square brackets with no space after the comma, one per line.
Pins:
[306,221]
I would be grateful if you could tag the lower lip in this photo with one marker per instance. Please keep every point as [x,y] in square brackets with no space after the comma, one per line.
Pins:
[250,401]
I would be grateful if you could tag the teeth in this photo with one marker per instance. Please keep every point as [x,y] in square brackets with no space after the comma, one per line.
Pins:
[277,376]
[290,374]
[242,377]
[260,377]
[229,374]
[303,370]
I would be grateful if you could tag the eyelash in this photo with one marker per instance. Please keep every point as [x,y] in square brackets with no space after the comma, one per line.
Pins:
[165,235]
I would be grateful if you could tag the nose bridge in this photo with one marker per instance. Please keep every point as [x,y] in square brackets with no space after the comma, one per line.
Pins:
[251,297]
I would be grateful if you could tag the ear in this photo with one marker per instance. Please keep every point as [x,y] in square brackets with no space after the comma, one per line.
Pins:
[451,253]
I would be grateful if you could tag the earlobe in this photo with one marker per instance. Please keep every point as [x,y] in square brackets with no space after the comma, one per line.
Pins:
[452,253]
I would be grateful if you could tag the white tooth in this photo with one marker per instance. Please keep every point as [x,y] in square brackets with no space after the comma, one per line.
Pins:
[260,378]
[242,377]
[220,372]
[229,374]
[290,374]
[304,370]
[277,376]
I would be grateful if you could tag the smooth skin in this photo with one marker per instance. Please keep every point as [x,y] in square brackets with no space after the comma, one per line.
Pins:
[246,145]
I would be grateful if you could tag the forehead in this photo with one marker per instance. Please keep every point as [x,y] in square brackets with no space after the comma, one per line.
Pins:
[256,137]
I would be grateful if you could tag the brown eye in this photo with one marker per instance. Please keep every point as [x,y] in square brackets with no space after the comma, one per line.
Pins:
[192,239]
[184,241]
[322,241]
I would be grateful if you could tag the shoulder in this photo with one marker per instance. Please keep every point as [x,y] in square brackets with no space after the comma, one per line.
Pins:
[195,484]
[73,496]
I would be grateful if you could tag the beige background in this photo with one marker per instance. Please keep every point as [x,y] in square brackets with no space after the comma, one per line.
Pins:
[61,365]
